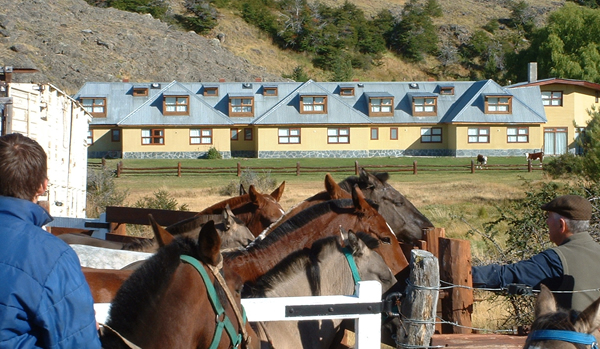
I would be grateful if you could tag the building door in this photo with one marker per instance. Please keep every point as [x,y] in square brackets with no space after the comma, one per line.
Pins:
[555,141]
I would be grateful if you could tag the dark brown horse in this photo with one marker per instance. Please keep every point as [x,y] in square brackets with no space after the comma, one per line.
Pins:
[256,210]
[167,303]
[313,223]
[404,218]
[555,328]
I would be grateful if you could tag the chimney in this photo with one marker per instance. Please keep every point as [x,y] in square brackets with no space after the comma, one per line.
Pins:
[221,80]
[532,72]
[258,80]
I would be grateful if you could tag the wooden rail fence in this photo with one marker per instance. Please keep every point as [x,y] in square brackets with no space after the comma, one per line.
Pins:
[180,170]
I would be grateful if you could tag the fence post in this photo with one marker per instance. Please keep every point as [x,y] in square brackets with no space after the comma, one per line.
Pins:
[297,169]
[179,169]
[415,167]
[529,168]
[419,307]
[455,268]
[119,168]
[239,169]
[472,166]
[356,168]
[432,241]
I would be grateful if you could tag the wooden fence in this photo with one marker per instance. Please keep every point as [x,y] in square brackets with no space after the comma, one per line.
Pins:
[180,170]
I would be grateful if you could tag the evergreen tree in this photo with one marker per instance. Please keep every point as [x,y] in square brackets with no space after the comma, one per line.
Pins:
[414,35]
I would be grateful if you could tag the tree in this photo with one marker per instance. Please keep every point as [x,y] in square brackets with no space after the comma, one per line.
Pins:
[203,17]
[157,8]
[414,35]
[567,47]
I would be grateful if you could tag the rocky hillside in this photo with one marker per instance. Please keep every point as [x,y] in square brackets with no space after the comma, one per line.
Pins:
[71,42]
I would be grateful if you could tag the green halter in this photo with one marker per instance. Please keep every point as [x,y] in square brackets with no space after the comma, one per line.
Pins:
[222,319]
[352,264]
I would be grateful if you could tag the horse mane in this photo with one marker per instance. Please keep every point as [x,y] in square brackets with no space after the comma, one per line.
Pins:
[233,202]
[305,260]
[349,182]
[140,291]
[294,223]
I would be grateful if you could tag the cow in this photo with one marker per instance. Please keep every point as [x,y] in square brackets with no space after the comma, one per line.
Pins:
[481,160]
[535,156]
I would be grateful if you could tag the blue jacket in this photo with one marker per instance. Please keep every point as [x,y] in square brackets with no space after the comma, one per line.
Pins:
[45,301]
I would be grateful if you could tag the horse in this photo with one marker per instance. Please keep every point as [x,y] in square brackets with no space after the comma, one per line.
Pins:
[325,269]
[107,258]
[481,160]
[555,328]
[140,245]
[104,283]
[256,210]
[404,218]
[535,156]
[313,223]
[173,299]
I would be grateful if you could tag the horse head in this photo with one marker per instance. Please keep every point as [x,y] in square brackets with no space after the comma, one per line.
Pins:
[371,222]
[561,329]
[185,279]
[404,218]
[266,209]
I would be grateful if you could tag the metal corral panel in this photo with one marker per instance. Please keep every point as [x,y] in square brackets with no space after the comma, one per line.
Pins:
[60,125]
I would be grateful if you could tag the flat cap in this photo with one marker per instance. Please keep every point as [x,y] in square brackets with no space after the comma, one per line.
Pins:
[570,206]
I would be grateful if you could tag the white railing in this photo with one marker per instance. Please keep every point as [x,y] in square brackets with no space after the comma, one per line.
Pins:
[368,323]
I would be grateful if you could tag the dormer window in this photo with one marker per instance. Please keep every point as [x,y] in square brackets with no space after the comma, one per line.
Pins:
[498,104]
[211,91]
[380,104]
[241,105]
[447,90]
[95,106]
[270,91]
[176,105]
[347,91]
[424,105]
[313,104]
[140,91]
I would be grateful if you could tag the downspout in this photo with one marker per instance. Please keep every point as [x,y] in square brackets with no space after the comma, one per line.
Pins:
[70,194]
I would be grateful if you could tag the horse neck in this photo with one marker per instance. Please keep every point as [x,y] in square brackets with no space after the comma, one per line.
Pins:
[261,257]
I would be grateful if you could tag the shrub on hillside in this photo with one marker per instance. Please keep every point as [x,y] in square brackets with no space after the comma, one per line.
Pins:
[213,153]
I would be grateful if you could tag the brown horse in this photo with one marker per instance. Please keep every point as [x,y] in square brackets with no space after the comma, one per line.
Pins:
[104,283]
[555,328]
[322,270]
[404,218]
[172,300]
[318,221]
[256,210]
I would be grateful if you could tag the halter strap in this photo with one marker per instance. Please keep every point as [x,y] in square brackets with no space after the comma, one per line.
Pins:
[352,264]
[565,336]
[222,319]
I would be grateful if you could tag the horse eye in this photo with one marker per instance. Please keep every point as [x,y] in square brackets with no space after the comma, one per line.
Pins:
[386,241]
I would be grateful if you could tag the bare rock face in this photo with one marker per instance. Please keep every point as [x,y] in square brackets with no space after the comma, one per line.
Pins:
[71,42]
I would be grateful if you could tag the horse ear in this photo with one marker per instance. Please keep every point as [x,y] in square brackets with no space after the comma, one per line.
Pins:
[354,244]
[332,188]
[545,302]
[363,175]
[589,320]
[254,194]
[242,190]
[163,237]
[228,220]
[277,193]
[210,243]
[382,176]
[358,198]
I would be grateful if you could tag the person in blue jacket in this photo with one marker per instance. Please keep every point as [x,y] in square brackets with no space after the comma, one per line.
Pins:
[570,267]
[45,301]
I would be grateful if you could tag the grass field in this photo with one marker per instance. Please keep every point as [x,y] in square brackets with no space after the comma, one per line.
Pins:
[456,200]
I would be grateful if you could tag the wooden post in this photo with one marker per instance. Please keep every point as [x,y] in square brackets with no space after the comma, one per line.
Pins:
[179,169]
[356,168]
[119,167]
[455,268]
[415,167]
[239,169]
[422,293]
[297,169]
[472,166]
[529,168]
[432,241]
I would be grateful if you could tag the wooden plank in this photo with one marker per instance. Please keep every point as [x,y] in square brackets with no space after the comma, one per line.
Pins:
[479,341]
[455,262]
[132,215]
[432,237]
